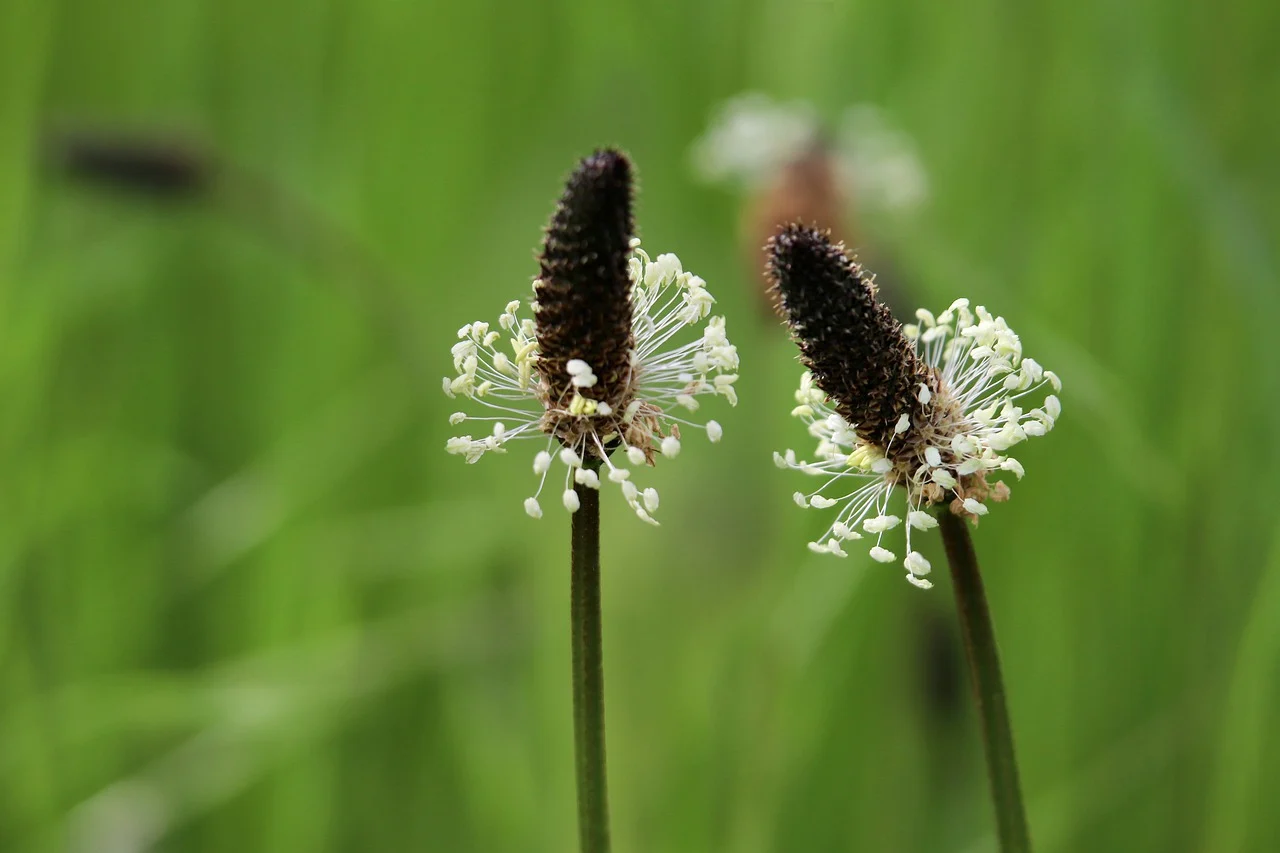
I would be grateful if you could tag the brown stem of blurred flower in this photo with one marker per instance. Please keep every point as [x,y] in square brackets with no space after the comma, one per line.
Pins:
[988,685]
[588,674]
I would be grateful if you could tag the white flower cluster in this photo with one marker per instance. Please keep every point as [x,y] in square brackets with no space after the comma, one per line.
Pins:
[750,137]
[984,380]
[665,378]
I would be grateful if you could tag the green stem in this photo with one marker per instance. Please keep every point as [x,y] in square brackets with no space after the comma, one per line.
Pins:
[988,686]
[588,675]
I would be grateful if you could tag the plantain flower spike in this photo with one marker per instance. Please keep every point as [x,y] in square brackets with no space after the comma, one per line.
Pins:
[932,407]
[597,375]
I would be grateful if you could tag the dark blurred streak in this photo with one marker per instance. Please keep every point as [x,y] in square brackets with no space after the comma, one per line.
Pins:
[156,168]
[941,682]
[171,170]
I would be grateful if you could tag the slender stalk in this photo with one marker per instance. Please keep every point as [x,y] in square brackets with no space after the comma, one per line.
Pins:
[988,686]
[588,675]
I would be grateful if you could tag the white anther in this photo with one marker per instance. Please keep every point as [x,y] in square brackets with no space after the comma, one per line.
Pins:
[881,523]
[943,478]
[921,520]
[650,499]
[1013,465]
[917,564]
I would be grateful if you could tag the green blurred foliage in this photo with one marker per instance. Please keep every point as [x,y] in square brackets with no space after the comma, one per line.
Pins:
[248,602]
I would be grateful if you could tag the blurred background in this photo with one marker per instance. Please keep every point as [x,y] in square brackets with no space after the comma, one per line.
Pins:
[247,602]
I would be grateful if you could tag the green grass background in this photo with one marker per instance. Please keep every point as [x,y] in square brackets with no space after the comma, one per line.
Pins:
[248,603]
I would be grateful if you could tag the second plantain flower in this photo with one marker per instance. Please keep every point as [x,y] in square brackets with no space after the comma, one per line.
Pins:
[932,407]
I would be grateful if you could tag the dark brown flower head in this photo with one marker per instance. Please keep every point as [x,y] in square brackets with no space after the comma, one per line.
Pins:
[583,292]
[849,341]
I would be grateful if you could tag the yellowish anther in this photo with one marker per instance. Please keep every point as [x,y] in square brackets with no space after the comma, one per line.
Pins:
[522,349]
[582,406]
[859,458]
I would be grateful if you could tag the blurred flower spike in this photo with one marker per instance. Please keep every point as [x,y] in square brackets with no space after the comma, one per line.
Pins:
[932,407]
[751,138]
[597,374]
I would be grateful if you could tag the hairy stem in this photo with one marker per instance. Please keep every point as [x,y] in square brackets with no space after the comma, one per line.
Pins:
[988,685]
[588,675]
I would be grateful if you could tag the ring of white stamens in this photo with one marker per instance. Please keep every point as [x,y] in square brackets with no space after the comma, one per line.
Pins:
[499,369]
[984,382]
